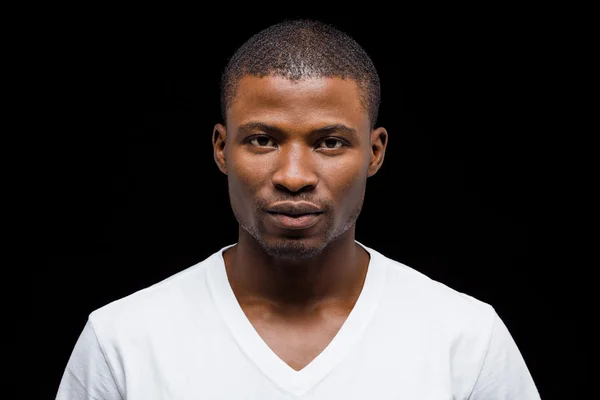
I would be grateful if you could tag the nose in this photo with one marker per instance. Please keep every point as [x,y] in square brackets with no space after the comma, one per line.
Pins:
[295,169]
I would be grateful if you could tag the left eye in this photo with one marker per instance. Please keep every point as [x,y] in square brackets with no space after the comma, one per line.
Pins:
[332,143]
[261,141]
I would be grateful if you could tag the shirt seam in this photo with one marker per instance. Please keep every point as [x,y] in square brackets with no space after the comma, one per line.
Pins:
[112,374]
[484,359]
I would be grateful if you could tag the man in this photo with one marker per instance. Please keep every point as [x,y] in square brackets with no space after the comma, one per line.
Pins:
[297,308]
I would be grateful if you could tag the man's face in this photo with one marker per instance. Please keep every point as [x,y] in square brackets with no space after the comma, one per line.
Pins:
[289,145]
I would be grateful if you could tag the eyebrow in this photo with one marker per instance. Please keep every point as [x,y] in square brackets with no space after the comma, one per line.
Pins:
[250,126]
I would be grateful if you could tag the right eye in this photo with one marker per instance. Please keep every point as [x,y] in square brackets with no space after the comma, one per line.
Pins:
[260,141]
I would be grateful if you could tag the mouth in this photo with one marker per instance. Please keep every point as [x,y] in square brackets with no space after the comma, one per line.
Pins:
[295,221]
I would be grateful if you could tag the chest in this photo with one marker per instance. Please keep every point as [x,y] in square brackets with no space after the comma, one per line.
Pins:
[298,341]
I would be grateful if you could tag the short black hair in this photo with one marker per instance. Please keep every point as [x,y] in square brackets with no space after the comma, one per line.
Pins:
[303,48]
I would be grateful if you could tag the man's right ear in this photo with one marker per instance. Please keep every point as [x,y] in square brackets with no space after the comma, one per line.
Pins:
[218,140]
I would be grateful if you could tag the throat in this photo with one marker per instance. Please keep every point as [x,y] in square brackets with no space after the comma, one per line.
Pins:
[336,280]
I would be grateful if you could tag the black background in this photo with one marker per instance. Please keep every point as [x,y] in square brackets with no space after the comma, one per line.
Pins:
[133,194]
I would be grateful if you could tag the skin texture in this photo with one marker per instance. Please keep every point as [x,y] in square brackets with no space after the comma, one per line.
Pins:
[297,286]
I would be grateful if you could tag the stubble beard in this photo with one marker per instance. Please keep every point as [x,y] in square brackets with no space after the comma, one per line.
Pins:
[298,248]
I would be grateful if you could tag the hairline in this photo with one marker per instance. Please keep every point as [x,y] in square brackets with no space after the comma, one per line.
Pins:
[230,93]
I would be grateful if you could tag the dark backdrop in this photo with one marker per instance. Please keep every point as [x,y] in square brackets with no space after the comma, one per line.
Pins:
[133,194]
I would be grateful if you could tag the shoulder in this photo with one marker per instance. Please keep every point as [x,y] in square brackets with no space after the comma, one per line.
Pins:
[154,307]
[434,303]
[453,327]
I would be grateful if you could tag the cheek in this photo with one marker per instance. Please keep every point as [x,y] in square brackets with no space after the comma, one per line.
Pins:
[245,179]
[248,176]
[347,177]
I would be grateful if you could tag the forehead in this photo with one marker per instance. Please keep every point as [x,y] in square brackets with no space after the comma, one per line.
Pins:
[306,100]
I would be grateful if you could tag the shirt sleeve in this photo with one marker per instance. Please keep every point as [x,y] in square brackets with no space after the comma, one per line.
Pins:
[504,374]
[88,375]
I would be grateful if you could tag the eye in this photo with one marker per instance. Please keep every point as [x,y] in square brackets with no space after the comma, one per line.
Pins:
[333,143]
[260,141]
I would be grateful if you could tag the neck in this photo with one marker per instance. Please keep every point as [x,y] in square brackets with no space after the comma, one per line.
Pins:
[335,276]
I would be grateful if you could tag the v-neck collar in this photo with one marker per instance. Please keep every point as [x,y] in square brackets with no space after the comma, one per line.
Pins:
[296,382]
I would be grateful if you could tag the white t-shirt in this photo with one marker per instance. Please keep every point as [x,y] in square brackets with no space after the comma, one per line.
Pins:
[407,337]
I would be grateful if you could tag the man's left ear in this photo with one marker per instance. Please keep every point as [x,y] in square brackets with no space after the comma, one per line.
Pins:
[379,139]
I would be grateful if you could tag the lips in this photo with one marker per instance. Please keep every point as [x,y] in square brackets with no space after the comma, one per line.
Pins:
[295,209]
[299,215]
[299,221]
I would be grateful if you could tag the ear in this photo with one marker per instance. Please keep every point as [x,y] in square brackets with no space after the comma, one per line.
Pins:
[379,140]
[218,140]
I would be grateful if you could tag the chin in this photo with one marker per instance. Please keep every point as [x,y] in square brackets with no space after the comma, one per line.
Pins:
[292,248]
